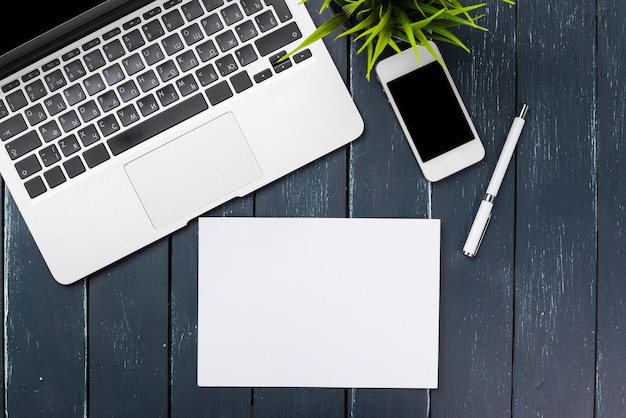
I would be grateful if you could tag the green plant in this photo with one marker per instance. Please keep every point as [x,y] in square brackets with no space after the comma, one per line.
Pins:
[382,23]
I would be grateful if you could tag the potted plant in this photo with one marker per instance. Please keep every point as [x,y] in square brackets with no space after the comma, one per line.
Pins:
[385,23]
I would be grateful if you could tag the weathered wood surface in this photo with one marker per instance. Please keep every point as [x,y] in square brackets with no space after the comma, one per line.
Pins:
[534,326]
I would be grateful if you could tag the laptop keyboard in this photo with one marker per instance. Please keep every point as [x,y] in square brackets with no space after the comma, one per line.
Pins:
[154,71]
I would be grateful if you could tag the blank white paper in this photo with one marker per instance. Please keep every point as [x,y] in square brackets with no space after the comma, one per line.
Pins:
[318,302]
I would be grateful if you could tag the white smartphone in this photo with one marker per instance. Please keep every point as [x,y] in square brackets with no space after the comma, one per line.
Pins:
[431,112]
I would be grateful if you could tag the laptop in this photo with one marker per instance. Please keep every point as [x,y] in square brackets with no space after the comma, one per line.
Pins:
[123,120]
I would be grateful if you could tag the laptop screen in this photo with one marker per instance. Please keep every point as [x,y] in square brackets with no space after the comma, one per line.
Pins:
[51,15]
[49,22]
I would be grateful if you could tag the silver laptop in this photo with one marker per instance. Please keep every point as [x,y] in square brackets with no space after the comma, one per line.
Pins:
[123,120]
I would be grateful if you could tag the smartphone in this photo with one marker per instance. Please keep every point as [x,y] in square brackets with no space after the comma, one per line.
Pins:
[430,111]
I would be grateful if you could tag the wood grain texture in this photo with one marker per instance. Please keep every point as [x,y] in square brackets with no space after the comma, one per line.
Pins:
[611,338]
[555,262]
[129,336]
[44,332]
[477,293]
[186,398]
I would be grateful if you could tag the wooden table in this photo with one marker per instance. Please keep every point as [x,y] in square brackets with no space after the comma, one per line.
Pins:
[534,326]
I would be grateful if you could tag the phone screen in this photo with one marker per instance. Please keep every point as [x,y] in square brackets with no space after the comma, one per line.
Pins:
[431,111]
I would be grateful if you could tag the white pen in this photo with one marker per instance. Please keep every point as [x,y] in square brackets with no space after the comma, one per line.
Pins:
[477,232]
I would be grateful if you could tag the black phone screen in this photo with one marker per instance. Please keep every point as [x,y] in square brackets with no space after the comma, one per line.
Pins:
[431,111]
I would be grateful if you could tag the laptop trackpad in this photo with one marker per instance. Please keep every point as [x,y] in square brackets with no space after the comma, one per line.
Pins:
[194,170]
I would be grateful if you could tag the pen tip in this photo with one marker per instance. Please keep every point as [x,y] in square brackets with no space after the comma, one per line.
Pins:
[522,113]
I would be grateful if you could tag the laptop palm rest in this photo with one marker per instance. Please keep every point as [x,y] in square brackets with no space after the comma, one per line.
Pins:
[212,161]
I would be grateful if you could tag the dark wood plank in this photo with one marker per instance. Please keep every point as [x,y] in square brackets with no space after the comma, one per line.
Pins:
[477,294]
[555,261]
[45,331]
[129,335]
[187,399]
[385,181]
[611,385]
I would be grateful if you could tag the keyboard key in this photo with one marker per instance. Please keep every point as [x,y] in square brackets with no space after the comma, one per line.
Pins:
[151,13]
[172,44]
[192,10]
[192,34]
[278,39]
[128,91]
[49,155]
[133,40]
[171,3]
[69,55]
[153,30]
[167,71]
[147,81]
[47,67]
[55,104]
[74,167]
[167,95]
[128,115]
[250,7]
[231,14]
[23,145]
[281,9]
[16,100]
[212,24]
[187,60]
[3,110]
[153,126]
[35,187]
[69,145]
[113,50]
[133,64]
[187,85]
[152,54]
[263,75]
[96,155]
[246,31]
[108,101]
[219,93]
[28,166]
[94,84]
[147,105]
[108,125]
[12,126]
[206,75]
[88,135]
[74,70]
[206,51]
[49,131]
[241,81]
[173,20]
[55,80]
[35,90]
[212,4]
[226,40]
[74,94]
[246,55]
[226,65]
[266,21]
[91,44]
[35,114]
[88,111]
[113,74]
[132,23]
[27,77]
[111,34]
[69,121]
[94,60]
[54,177]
